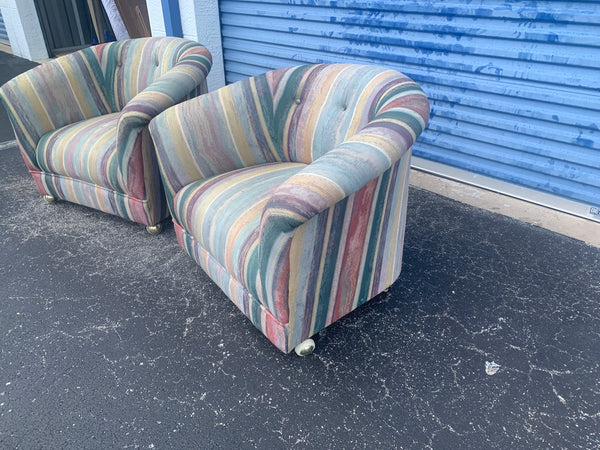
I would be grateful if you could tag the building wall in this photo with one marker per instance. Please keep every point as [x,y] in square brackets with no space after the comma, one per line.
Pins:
[200,23]
[23,28]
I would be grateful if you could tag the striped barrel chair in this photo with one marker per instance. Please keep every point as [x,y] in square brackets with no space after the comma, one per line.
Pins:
[290,188]
[81,121]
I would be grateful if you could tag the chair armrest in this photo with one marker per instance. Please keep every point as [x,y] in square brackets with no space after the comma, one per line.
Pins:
[186,79]
[336,175]
[63,91]
[401,114]
[330,179]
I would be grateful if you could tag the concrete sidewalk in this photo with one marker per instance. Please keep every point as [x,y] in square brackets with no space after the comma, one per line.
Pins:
[113,338]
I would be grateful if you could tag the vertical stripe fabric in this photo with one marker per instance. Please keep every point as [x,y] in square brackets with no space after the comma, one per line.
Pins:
[347,254]
[84,151]
[284,115]
[130,66]
[289,189]
[81,121]
[315,116]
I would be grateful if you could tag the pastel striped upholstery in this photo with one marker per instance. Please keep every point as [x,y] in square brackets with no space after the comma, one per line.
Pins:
[84,151]
[81,121]
[290,189]
[235,201]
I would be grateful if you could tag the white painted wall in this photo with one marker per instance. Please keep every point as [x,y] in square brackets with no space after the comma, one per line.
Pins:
[157,22]
[199,22]
[24,29]
[116,22]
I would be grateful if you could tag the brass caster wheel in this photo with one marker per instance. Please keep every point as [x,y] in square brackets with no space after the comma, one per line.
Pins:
[154,229]
[305,348]
[49,198]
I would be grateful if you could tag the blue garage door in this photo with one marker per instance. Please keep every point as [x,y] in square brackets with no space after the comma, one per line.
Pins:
[3,33]
[514,85]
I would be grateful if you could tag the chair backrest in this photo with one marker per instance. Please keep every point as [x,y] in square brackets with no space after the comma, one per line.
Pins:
[317,107]
[130,66]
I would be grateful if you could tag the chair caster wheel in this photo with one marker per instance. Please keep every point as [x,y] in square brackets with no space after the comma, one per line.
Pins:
[154,229]
[49,198]
[305,348]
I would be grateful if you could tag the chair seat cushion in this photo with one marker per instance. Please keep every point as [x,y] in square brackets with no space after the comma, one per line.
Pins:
[84,151]
[222,214]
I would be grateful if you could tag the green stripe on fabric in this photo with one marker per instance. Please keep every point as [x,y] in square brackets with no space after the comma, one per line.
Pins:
[373,240]
[97,73]
[122,205]
[401,116]
[182,206]
[110,71]
[287,98]
[330,264]
[256,314]
[394,92]
[261,86]
[253,264]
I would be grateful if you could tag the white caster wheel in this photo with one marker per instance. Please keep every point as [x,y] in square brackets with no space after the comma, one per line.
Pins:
[305,348]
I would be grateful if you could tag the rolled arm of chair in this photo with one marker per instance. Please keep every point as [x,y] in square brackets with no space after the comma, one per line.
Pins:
[63,91]
[167,90]
[400,115]
[171,88]
[336,175]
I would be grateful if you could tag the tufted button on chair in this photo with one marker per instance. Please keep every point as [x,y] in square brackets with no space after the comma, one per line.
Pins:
[81,121]
[290,190]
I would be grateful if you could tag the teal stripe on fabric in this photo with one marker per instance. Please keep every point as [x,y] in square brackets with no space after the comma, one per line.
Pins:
[181,206]
[55,94]
[83,151]
[23,138]
[287,96]
[251,276]
[309,284]
[413,122]
[265,105]
[316,251]
[110,64]
[397,90]
[265,148]
[364,290]
[122,206]
[189,245]
[256,314]
[97,75]
[329,269]
[59,112]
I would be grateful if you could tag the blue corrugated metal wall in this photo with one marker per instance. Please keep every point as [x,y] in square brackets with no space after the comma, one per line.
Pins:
[3,33]
[513,84]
